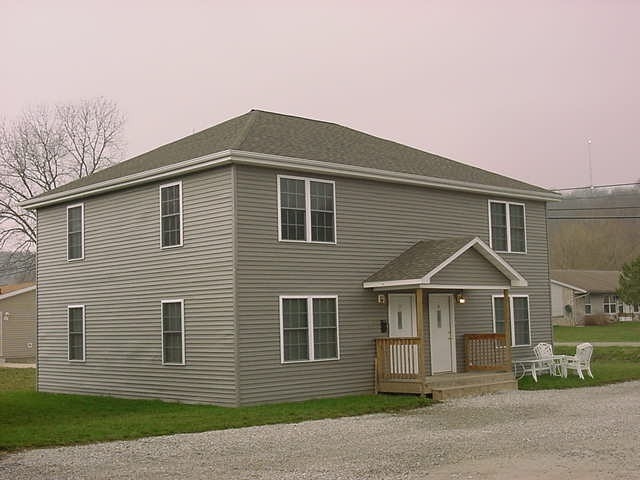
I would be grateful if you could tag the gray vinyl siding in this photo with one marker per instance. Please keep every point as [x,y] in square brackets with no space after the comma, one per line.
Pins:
[18,334]
[470,269]
[122,280]
[375,222]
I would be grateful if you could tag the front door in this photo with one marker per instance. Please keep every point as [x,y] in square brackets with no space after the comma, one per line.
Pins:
[441,332]
[402,315]
[402,323]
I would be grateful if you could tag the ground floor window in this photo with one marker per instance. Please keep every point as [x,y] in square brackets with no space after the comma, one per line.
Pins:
[520,327]
[75,325]
[308,328]
[587,305]
[172,332]
[609,303]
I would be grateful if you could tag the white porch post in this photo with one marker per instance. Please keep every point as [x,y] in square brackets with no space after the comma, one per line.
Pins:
[506,308]
[420,332]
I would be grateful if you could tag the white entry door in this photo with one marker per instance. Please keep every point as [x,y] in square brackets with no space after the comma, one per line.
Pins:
[402,315]
[441,332]
[402,323]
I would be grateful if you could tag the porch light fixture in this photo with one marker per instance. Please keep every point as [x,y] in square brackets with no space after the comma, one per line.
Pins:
[460,298]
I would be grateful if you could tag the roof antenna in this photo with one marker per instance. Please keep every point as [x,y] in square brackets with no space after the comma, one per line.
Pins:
[590,167]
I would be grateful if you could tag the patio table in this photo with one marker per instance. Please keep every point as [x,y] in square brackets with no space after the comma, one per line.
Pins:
[534,365]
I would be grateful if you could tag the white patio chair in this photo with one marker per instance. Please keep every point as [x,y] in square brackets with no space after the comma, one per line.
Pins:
[546,360]
[580,361]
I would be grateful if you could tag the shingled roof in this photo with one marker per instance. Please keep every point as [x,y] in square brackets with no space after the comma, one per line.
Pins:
[293,137]
[593,281]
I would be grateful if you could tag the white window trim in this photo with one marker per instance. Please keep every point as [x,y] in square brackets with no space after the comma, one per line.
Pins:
[587,304]
[613,300]
[307,208]
[309,299]
[511,313]
[507,211]
[181,302]
[84,336]
[76,205]
[166,185]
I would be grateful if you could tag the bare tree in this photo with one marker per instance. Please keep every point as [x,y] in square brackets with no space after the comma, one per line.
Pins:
[44,149]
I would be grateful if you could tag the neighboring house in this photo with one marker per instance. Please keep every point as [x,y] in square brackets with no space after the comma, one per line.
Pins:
[273,258]
[18,323]
[589,292]
[563,302]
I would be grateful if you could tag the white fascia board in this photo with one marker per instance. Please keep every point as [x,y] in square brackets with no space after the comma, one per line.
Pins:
[291,163]
[201,163]
[18,292]
[493,258]
[393,283]
[303,164]
[497,261]
[572,287]
[433,286]
[448,261]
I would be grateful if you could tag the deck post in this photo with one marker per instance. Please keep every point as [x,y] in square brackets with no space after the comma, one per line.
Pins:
[506,307]
[420,333]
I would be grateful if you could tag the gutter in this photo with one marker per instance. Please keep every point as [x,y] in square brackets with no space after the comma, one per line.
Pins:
[240,157]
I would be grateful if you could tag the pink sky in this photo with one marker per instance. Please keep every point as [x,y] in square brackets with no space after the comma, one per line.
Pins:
[515,87]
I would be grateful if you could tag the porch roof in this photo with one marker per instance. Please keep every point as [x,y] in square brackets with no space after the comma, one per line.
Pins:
[424,264]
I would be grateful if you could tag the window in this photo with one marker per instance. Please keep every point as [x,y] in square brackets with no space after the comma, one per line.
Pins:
[75,326]
[309,328]
[636,308]
[519,306]
[307,210]
[172,332]
[171,215]
[609,303]
[75,232]
[507,227]
[587,304]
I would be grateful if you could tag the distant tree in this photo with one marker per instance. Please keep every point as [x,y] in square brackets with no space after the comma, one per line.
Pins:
[629,284]
[43,149]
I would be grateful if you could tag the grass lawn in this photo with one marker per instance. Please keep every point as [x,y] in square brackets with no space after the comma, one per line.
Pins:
[32,419]
[608,365]
[616,332]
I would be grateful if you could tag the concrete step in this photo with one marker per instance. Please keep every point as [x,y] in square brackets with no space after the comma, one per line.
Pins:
[472,390]
[461,379]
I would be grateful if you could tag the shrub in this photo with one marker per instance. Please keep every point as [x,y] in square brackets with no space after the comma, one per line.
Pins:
[599,319]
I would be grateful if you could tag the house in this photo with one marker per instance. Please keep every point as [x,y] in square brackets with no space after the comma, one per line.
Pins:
[277,258]
[588,293]
[18,323]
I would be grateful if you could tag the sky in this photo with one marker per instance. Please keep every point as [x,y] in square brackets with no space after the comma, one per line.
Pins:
[514,87]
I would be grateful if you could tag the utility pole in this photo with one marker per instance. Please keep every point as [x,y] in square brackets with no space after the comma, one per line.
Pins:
[590,166]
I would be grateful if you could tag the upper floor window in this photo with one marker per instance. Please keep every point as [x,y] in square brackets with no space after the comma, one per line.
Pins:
[309,328]
[519,309]
[75,232]
[172,332]
[507,227]
[307,209]
[75,326]
[171,215]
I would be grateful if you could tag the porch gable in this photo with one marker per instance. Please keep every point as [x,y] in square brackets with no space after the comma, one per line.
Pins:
[465,262]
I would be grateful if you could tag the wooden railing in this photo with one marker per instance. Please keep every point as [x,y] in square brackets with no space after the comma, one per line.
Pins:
[398,358]
[486,351]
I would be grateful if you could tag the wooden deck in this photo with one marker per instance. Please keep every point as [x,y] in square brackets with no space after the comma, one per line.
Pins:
[400,370]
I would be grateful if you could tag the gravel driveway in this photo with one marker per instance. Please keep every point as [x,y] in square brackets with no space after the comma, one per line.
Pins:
[578,433]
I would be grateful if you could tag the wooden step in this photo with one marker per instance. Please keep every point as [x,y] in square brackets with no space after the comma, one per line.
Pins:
[471,390]
[450,380]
